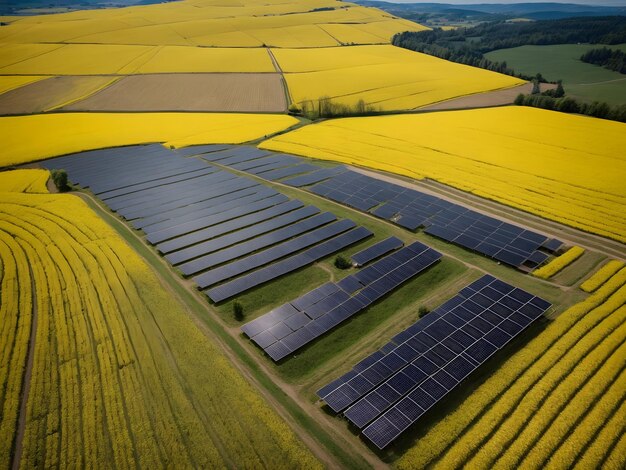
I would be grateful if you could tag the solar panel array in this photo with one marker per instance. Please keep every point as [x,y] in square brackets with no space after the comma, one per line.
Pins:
[228,231]
[376,251]
[413,209]
[405,207]
[289,327]
[384,394]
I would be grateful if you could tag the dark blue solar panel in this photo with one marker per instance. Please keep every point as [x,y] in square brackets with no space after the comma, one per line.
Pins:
[239,285]
[447,355]
[226,255]
[377,250]
[236,230]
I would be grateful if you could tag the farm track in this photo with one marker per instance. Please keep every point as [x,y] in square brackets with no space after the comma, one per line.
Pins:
[568,234]
[28,372]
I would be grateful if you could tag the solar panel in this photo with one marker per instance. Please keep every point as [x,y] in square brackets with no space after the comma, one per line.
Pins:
[269,255]
[254,244]
[330,304]
[207,241]
[377,250]
[425,362]
[160,232]
[256,278]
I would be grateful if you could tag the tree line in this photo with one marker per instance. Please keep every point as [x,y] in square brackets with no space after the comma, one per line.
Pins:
[468,45]
[612,59]
[571,105]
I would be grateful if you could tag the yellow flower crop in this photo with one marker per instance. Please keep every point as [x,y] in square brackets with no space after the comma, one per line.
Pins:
[122,376]
[558,263]
[513,155]
[8,82]
[385,77]
[209,23]
[602,275]
[541,397]
[63,133]
[24,181]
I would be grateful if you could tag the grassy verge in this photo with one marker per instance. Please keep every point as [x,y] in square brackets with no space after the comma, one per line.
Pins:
[573,273]
[200,310]
[348,334]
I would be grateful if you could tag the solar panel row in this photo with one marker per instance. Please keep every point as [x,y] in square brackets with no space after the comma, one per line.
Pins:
[391,389]
[292,245]
[206,219]
[287,328]
[287,265]
[413,209]
[377,250]
[265,221]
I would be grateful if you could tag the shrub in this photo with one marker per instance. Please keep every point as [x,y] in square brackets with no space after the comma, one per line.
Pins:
[60,180]
[341,262]
[238,311]
[423,310]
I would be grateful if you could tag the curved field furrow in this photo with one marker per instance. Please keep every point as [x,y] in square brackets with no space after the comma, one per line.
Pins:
[120,372]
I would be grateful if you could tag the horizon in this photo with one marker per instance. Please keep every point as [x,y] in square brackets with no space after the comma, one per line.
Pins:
[606,3]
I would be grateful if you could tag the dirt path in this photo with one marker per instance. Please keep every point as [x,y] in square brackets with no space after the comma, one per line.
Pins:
[567,234]
[282,76]
[486,100]
[28,372]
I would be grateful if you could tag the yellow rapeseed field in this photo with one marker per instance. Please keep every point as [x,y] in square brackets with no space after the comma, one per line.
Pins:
[602,275]
[214,23]
[122,376]
[556,403]
[558,263]
[8,82]
[385,77]
[24,181]
[559,166]
[58,134]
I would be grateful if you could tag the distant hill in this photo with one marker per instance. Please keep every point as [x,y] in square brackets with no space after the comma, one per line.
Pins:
[491,12]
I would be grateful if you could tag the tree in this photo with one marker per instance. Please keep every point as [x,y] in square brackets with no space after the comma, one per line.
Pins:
[519,100]
[341,262]
[559,92]
[536,89]
[238,311]
[59,177]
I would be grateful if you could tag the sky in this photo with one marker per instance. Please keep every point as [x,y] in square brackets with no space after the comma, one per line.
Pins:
[465,2]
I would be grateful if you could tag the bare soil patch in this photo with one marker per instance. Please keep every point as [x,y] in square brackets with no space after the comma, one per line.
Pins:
[488,99]
[50,93]
[231,92]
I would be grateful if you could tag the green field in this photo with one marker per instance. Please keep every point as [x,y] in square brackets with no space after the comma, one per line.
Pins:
[562,62]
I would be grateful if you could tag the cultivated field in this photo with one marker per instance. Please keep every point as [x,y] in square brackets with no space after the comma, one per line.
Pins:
[385,77]
[512,155]
[9,82]
[214,23]
[98,59]
[231,92]
[58,134]
[45,95]
[562,62]
[558,402]
[24,181]
[117,371]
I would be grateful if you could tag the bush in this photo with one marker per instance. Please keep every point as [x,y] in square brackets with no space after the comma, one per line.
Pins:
[60,180]
[423,310]
[238,311]
[294,109]
[341,262]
